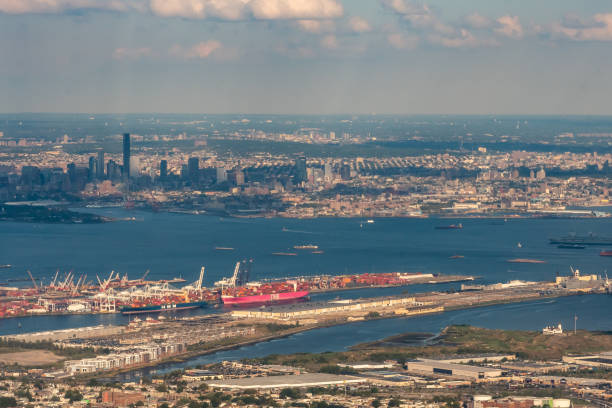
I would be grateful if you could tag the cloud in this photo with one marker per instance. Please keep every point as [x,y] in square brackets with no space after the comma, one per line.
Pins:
[402,41]
[132,53]
[597,28]
[418,16]
[478,21]
[464,39]
[359,25]
[509,26]
[315,26]
[330,42]
[231,10]
[200,50]
[294,9]
[58,6]
[234,10]
[200,9]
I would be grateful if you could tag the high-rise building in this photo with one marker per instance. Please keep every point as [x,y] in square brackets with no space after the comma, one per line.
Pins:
[163,169]
[238,176]
[300,169]
[345,172]
[126,156]
[93,167]
[135,166]
[221,175]
[328,171]
[100,172]
[193,169]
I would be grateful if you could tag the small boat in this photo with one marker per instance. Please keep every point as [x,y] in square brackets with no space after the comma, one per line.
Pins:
[284,253]
[370,221]
[571,246]
[605,253]
[519,245]
[224,248]
[317,252]
[5,266]
[456,257]
[524,260]
[449,227]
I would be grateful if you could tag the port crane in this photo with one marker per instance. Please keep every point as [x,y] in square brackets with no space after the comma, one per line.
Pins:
[52,285]
[197,285]
[33,280]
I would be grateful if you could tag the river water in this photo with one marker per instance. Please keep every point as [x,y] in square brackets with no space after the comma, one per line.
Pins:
[178,245]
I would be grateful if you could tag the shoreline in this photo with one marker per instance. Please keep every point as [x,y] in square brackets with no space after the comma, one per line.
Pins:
[189,355]
[421,281]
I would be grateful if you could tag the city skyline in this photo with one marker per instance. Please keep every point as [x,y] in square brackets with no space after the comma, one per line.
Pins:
[314,57]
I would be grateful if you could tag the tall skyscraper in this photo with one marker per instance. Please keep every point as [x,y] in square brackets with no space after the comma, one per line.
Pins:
[163,169]
[100,169]
[93,168]
[238,176]
[300,167]
[193,169]
[126,156]
[221,175]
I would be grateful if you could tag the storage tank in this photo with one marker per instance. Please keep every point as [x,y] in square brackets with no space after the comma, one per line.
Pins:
[562,403]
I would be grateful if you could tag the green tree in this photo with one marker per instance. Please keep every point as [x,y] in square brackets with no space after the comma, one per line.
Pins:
[290,393]
[394,402]
[73,395]
[161,388]
[376,403]
[7,402]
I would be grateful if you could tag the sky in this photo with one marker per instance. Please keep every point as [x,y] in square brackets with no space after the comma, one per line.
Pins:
[307,56]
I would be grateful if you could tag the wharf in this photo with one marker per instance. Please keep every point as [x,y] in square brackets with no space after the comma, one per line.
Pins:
[407,282]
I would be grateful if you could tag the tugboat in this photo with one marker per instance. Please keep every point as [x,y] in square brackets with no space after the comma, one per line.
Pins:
[449,227]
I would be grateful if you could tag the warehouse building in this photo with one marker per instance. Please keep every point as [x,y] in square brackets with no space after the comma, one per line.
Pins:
[436,367]
[603,360]
[285,381]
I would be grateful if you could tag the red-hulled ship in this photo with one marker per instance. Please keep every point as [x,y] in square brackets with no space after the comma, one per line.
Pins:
[237,291]
[605,253]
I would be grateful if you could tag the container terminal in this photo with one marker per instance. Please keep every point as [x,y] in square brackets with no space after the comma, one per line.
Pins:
[119,294]
[155,339]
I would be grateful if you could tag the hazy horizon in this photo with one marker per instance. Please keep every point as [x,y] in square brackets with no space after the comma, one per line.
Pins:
[306,57]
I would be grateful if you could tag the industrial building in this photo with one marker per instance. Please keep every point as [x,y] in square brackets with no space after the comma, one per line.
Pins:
[320,308]
[286,381]
[603,360]
[437,367]
[368,365]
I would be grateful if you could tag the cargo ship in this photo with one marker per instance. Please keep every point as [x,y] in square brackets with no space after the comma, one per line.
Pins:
[449,227]
[605,253]
[307,246]
[166,307]
[571,246]
[264,298]
[590,239]
[243,292]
